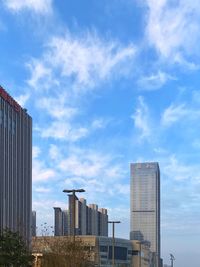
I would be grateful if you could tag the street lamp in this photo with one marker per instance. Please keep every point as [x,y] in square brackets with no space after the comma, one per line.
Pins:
[172,259]
[113,241]
[73,191]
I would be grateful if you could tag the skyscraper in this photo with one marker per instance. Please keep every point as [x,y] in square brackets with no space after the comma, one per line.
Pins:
[15,166]
[145,205]
[33,224]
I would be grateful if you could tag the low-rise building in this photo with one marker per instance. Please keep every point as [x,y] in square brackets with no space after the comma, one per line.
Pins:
[141,254]
[127,253]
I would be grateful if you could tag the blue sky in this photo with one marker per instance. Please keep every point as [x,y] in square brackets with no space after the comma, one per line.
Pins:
[108,83]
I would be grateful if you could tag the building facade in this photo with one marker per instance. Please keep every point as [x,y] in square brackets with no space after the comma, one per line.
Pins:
[89,220]
[145,206]
[15,166]
[33,223]
[61,222]
[126,253]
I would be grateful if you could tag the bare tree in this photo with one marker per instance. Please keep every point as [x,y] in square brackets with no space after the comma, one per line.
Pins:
[63,252]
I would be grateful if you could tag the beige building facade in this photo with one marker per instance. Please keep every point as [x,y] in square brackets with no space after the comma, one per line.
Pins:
[127,253]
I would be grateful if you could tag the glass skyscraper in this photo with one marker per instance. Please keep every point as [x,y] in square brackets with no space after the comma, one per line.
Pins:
[145,205]
[15,166]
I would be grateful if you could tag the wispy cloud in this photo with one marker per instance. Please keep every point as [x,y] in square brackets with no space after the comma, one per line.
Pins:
[41,75]
[179,113]
[35,152]
[22,99]
[63,130]
[58,107]
[71,66]
[38,6]
[41,189]
[93,170]
[173,114]
[141,118]
[170,26]
[41,173]
[84,60]
[154,81]
[177,170]
[90,164]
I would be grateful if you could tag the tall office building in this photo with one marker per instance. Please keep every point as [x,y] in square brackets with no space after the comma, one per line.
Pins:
[15,166]
[33,223]
[145,206]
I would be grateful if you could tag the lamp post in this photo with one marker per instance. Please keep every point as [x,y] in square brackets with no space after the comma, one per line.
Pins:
[73,191]
[172,260]
[113,241]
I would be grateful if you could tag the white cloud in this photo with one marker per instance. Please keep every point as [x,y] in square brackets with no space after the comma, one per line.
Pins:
[122,189]
[41,75]
[154,81]
[63,130]
[63,125]
[84,61]
[141,119]
[177,170]
[89,167]
[36,152]
[99,123]
[41,172]
[54,152]
[173,28]
[57,106]
[173,113]
[38,6]
[88,58]
[69,67]
[42,189]
[84,166]
[22,99]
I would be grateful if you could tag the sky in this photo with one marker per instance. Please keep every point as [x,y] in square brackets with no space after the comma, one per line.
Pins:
[108,83]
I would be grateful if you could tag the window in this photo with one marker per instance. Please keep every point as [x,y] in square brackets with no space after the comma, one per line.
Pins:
[103,256]
[103,249]
[135,252]
[120,253]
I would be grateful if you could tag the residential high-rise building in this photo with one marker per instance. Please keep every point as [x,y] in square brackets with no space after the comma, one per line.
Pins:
[89,220]
[58,224]
[103,222]
[94,219]
[33,224]
[145,206]
[15,166]
[65,222]
[61,223]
